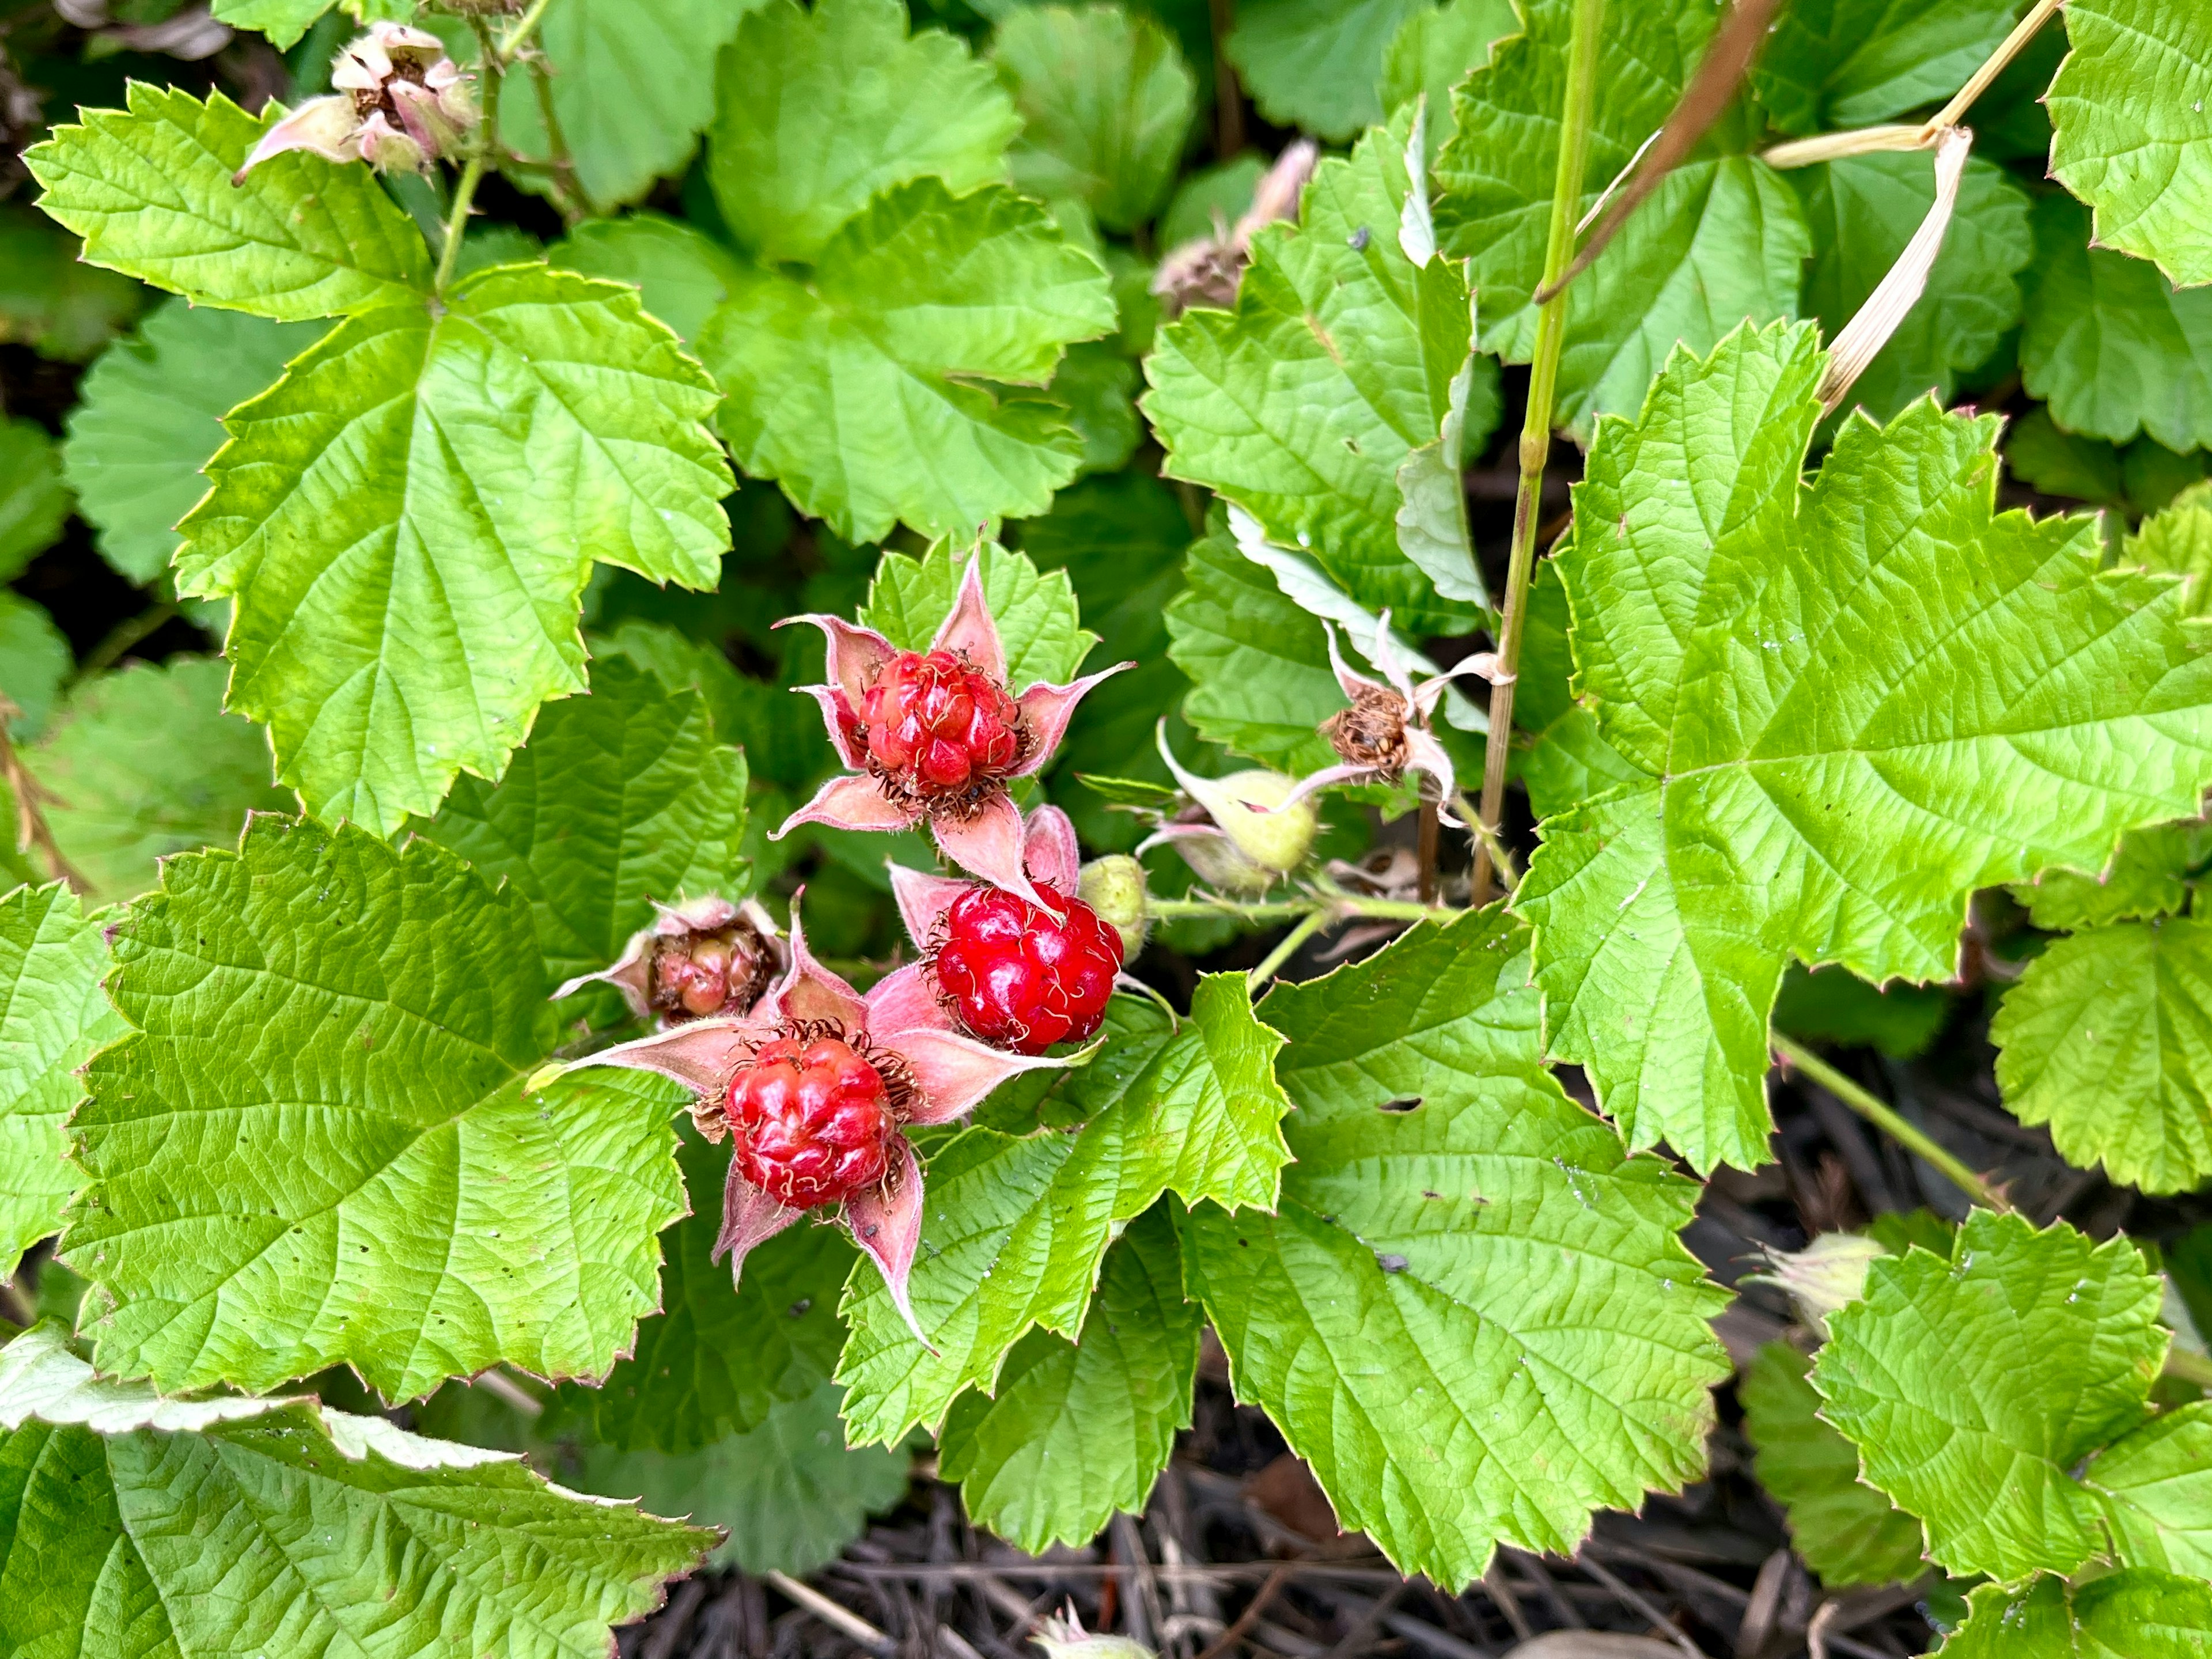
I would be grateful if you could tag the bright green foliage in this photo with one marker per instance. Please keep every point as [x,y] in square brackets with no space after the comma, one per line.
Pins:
[34,661]
[2179,541]
[53,1015]
[1847,1532]
[316,1146]
[1463,1258]
[1831,64]
[1835,1006]
[1074,1432]
[407,519]
[2114,346]
[144,763]
[2157,1486]
[1973,1386]
[1097,385]
[2108,1038]
[1863,211]
[2151,875]
[1317,64]
[282,21]
[1864,732]
[1106,101]
[1721,240]
[280,1526]
[150,191]
[820,110]
[2130,135]
[1302,403]
[622,798]
[1015,1226]
[1433,51]
[152,415]
[49,299]
[714,1362]
[789,1493]
[2137,1614]
[682,274]
[1038,624]
[33,501]
[856,391]
[1567,762]
[1260,680]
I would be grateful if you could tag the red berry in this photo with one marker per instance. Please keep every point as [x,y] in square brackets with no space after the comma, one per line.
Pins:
[939,728]
[811,1121]
[1020,979]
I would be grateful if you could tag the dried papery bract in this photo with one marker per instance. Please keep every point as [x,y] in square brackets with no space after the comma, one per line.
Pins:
[1205,271]
[703,957]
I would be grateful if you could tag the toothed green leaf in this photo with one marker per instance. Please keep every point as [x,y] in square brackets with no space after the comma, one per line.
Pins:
[2138,1615]
[1317,64]
[1038,623]
[1830,65]
[682,274]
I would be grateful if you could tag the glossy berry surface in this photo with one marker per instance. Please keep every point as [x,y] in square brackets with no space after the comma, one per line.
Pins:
[811,1120]
[1018,978]
[695,975]
[937,727]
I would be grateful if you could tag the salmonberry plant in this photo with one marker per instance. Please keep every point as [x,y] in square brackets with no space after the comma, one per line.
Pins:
[523,1011]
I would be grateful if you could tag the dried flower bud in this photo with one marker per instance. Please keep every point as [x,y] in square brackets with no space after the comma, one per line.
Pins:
[1828,1274]
[1113,886]
[399,103]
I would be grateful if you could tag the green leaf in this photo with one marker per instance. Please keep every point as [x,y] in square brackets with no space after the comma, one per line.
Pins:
[1038,623]
[34,661]
[2143,477]
[1830,64]
[2179,541]
[1106,102]
[1721,239]
[2130,138]
[281,1526]
[53,1015]
[714,1362]
[682,274]
[1472,1315]
[621,799]
[857,390]
[282,21]
[150,191]
[819,111]
[1973,1386]
[2151,875]
[407,519]
[1846,1531]
[1098,386]
[790,1494]
[1302,403]
[2107,1037]
[2156,1483]
[315,1147]
[2113,347]
[144,763]
[1863,212]
[1013,1227]
[1076,1432]
[152,414]
[2138,1615]
[1434,50]
[1863,731]
[50,300]
[1317,64]
[1567,762]
[33,499]
[1833,1005]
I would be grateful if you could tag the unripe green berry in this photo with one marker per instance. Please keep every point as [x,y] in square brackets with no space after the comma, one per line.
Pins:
[1113,886]
[1248,806]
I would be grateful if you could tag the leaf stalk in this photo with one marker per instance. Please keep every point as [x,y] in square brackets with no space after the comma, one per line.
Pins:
[1890,1121]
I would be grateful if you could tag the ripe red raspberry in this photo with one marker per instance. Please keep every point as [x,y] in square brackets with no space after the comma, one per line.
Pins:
[1020,979]
[811,1120]
[937,728]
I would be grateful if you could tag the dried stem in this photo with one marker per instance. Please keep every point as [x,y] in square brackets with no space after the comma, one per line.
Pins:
[31,796]
[1887,1118]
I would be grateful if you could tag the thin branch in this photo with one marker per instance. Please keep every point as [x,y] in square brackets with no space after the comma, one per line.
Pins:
[120,638]
[1887,1118]
[1285,948]
[31,797]
[1994,65]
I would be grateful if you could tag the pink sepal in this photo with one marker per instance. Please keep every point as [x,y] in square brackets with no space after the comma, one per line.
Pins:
[322,125]
[701,1054]
[1314,783]
[956,1073]
[989,845]
[750,1219]
[1351,685]
[923,898]
[905,1000]
[886,1223]
[834,705]
[1046,710]
[970,627]
[809,991]
[1049,850]
[856,655]
[850,803]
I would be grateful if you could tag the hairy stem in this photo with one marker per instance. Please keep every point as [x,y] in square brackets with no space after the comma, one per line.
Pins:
[519,36]
[1287,947]
[1501,856]
[568,195]
[1892,1122]
[493,62]
[1536,428]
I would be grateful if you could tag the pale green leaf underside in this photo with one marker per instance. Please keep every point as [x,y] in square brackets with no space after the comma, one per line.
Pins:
[282,21]
[1837,737]
[1473,1315]
[152,414]
[150,191]
[1039,625]
[866,391]
[1013,1228]
[1845,1530]
[2137,1614]
[33,501]
[53,1015]
[1317,64]
[315,1148]
[1301,404]
[682,274]
[622,799]
[1974,1386]
[1078,1431]
[407,519]
[2130,133]
[292,1528]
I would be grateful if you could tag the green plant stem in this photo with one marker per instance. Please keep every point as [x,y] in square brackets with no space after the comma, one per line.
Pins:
[121,637]
[1286,947]
[480,155]
[568,195]
[2194,1368]
[519,36]
[1501,856]
[1887,1118]
[1575,114]
[1341,906]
